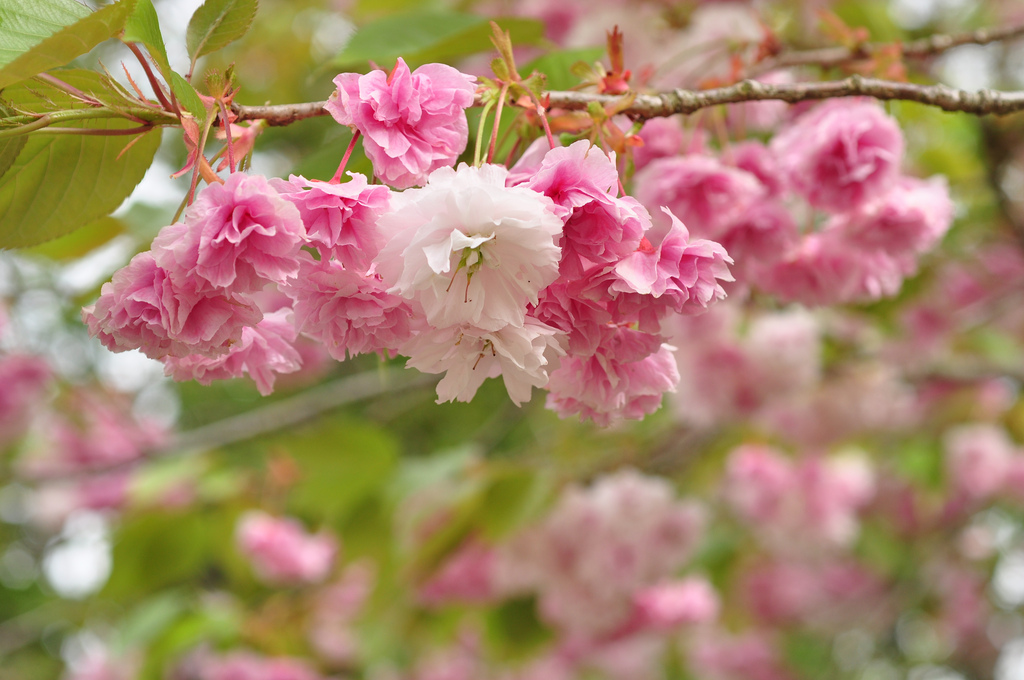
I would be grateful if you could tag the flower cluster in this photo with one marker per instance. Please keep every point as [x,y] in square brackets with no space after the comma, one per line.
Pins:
[835,168]
[543,274]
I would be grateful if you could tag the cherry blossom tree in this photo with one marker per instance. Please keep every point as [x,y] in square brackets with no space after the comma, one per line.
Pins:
[747,276]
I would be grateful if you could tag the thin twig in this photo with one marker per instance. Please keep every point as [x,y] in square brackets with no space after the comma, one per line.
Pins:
[302,407]
[915,49]
[273,417]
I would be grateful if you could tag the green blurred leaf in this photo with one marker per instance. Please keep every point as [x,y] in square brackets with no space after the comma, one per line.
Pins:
[809,655]
[558,66]
[342,464]
[514,630]
[155,550]
[513,498]
[149,619]
[81,241]
[216,24]
[38,35]
[143,26]
[421,37]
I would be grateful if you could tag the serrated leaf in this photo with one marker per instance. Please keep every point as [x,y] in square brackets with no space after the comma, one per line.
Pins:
[26,23]
[9,150]
[33,38]
[217,23]
[421,37]
[143,26]
[59,183]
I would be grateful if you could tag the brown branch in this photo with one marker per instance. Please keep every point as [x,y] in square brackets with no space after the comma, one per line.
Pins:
[981,102]
[915,49]
[281,114]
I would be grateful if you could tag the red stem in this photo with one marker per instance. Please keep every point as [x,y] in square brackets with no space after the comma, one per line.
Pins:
[344,161]
[154,83]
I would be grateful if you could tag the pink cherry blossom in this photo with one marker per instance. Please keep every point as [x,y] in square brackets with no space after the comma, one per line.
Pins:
[469,249]
[281,551]
[705,194]
[25,379]
[574,175]
[340,219]
[825,269]
[624,379]
[349,312]
[910,218]
[683,275]
[662,137]
[765,233]
[598,547]
[566,306]
[758,480]
[264,351]
[412,123]
[599,227]
[675,603]
[143,308]
[238,235]
[747,656]
[243,665]
[761,162]
[102,433]
[841,154]
[465,577]
[978,458]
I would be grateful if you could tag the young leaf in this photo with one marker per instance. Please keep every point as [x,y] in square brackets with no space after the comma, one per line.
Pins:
[22,22]
[59,183]
[217,23]
[420,37]
[188,97]
[143,26]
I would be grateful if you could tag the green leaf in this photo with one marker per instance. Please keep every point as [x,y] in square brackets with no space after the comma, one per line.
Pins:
[188,97]
[59,183]
[26,23]
[155,550]
[513,498]
[217,23]
[558,66]
[9,150]
[80,242]
[343,463]
[35,35]
[143,26]
[421,37]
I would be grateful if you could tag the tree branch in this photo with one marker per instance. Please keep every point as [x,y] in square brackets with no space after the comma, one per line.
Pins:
[915,49]
[981,102]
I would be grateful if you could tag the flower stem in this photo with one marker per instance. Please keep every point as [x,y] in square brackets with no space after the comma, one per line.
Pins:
[344,160]
[497,122]
[480,134]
